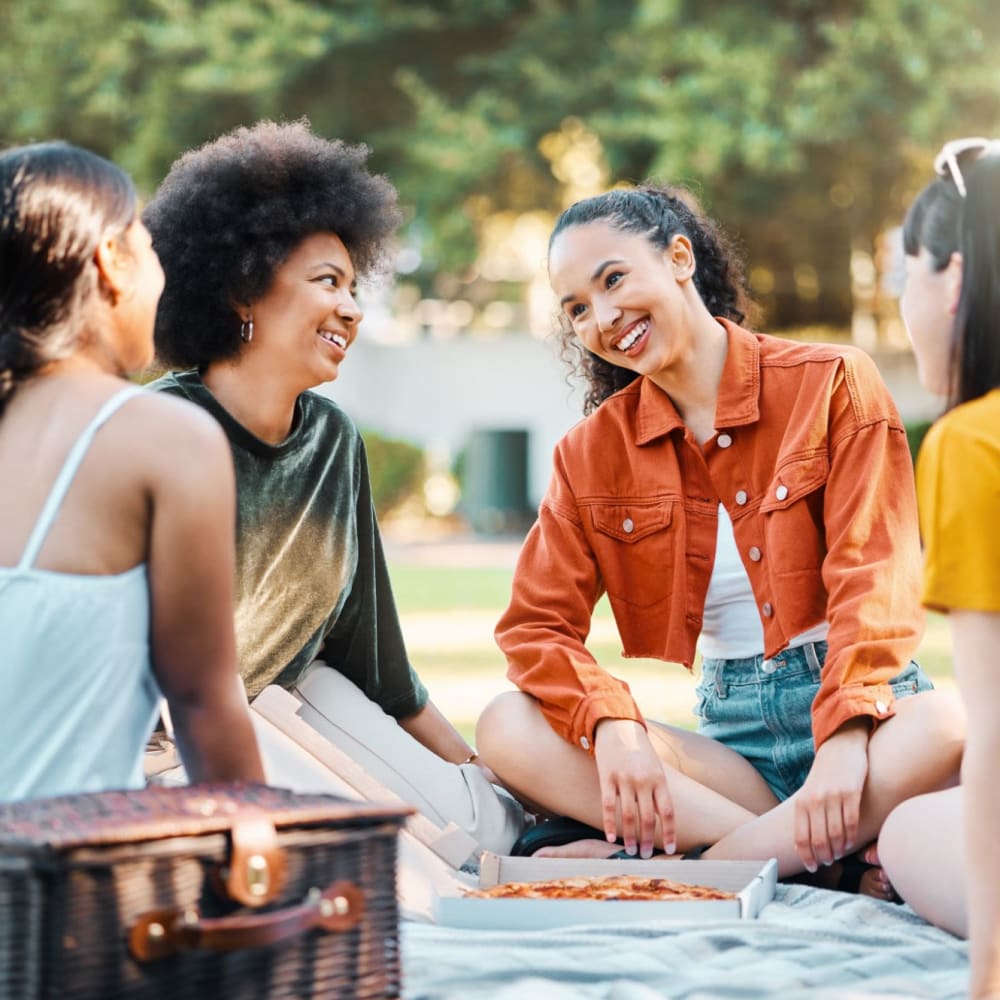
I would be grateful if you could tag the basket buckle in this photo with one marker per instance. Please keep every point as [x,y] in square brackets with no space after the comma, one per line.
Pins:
[258,875]
[257,866]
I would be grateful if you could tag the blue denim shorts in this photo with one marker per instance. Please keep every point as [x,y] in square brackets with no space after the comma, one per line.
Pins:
[762,709]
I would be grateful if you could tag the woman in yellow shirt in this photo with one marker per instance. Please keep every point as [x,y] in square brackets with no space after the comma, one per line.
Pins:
[951,307]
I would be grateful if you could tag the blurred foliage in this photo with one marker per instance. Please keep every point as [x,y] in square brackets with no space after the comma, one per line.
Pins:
[397,471]
[805,126]
[915,434]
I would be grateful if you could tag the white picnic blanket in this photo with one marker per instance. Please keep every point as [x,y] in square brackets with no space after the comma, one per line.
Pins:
[809,944]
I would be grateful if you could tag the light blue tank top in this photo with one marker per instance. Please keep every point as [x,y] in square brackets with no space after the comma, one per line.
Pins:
[78,700]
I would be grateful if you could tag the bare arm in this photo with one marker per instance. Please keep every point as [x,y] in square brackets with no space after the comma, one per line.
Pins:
[429,727]
[434,731]
[976,639]
[191,564]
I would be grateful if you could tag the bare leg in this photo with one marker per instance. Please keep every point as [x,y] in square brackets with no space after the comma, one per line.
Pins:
[922,848]
[918,750]
[714,790]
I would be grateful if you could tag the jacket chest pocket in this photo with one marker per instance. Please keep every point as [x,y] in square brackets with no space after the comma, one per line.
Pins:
[634,545]
[793,515]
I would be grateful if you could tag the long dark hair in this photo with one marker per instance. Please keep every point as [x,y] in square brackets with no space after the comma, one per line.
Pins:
[942,222]
[56,201]
[659,214]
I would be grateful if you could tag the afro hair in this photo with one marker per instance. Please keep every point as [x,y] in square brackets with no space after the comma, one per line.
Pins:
[229,213]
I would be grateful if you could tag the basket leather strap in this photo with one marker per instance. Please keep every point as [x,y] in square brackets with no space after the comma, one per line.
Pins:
[163,933]
[257,866]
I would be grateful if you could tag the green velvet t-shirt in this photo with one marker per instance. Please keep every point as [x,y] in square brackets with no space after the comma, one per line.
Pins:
[311,577]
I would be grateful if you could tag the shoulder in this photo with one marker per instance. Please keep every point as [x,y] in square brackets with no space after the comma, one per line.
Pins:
[844,375]
[966,439]
[613,419]
[330,428]
[324,412]
[778,352]
[174,430]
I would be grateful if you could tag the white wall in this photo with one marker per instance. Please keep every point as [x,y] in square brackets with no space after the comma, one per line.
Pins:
[434,393]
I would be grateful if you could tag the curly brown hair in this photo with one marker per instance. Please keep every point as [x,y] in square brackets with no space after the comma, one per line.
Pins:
[659,214]
[229,214]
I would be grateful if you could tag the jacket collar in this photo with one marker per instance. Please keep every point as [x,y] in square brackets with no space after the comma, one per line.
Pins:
[739,391]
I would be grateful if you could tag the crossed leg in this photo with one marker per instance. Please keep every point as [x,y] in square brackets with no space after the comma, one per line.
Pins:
[714,790]
[718,797]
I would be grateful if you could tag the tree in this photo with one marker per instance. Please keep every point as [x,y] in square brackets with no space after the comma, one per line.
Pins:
[804,126]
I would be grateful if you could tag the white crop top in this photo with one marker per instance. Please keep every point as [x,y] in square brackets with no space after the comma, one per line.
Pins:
[731,628]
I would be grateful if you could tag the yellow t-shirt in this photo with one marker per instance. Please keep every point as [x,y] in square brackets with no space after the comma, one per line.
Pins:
[958,489]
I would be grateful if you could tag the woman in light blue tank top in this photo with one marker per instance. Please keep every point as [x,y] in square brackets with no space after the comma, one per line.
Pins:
[116,505]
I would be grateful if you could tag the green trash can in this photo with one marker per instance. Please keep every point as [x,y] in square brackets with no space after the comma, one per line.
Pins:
[495,482]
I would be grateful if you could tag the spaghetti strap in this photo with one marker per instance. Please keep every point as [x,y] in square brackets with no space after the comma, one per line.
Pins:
[67,472]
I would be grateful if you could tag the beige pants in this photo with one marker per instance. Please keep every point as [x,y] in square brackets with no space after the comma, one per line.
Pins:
[444,793]
[339,711]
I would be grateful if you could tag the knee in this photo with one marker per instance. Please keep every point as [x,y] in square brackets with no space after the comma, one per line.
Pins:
[503,729]
[940,718]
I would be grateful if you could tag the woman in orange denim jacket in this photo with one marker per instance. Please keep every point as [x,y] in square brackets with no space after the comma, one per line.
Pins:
[746,495]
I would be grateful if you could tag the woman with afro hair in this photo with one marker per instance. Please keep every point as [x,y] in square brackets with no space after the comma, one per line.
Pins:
[263,235]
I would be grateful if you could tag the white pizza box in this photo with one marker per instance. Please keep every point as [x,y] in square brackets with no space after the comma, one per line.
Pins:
[753,882]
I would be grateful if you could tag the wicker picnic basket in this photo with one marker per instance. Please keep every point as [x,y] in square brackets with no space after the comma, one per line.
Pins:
[217,891]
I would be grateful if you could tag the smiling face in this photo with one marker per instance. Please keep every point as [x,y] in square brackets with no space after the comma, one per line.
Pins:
[307,320]
[625,298]
[927,306]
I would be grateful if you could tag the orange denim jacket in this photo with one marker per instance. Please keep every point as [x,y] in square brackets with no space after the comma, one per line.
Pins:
[810,460]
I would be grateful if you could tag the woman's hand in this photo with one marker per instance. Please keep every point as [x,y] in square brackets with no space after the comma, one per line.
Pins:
[828,805]
[633,786]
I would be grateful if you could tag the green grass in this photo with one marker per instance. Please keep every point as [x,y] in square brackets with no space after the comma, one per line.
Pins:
[422,589]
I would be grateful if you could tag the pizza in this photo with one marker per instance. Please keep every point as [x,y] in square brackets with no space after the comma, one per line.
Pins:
[626,887]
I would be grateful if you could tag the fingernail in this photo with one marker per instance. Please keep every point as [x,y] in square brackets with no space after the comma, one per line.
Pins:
[610,838]
[670,848]
[647,852]
[826,864]
[811,868]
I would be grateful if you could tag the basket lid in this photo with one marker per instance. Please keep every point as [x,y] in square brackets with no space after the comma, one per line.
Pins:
[158,812]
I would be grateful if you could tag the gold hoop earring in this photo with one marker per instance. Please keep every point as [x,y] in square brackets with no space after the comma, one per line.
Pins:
[246,330]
